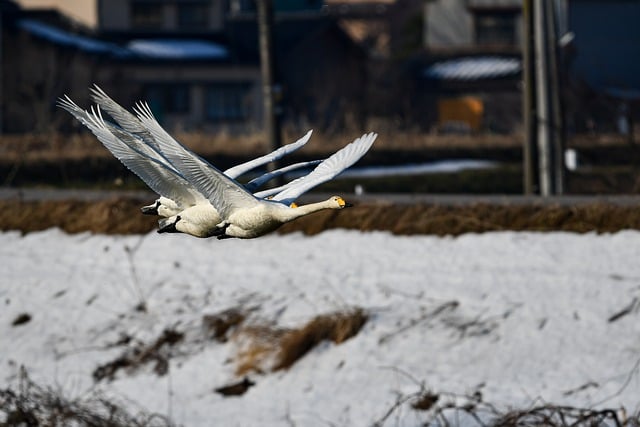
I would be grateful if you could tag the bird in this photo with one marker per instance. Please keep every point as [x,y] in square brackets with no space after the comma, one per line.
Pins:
[188,211]
[218,205]
[148,130]
[246,216]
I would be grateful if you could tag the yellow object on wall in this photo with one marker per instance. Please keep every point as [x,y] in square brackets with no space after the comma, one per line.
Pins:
[466,110]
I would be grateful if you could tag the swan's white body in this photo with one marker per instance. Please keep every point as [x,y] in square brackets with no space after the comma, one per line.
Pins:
[136,144]
[266,216]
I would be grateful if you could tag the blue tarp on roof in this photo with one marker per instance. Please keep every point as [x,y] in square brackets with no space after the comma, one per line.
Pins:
[473,68]
[177,49]
[65,38]
[162,49]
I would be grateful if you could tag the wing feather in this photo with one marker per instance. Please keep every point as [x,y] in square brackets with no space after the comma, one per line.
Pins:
[328,169]
[238,170]
[124,118]
[162,180]
[224,193]
[264,178]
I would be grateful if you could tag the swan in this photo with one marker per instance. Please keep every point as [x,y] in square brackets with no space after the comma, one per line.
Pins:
[246,216]
[189,211]
[148,130]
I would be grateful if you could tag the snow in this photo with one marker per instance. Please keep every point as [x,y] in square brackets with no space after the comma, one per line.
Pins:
[443,166]
[477,68]
[531,320]
[177,49]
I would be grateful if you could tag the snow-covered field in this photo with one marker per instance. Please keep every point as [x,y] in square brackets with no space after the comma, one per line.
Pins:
[520,317]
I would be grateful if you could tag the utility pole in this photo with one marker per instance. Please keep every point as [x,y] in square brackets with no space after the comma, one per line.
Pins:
[543,115]
[543,104]
[270,90]
[557,115]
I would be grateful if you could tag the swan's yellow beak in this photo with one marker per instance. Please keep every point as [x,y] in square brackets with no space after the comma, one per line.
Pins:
[293,205]
[343,204]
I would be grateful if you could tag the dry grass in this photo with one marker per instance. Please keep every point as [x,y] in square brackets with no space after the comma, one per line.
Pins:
[269,348]
[122,216]
[113,216]
[54,147]
[335,327]
[34,405]
[450,409]
[158,352]
[218,325]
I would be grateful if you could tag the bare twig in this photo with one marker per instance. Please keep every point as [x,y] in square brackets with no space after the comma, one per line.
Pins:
[449,305]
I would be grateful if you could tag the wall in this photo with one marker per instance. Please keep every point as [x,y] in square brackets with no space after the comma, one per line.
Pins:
[84,11]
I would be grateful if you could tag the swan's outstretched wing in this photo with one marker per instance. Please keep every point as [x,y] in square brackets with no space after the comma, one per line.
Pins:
[238,170]
[124,118]
[167,142]
[326,170]
[224,193]
[266,177]
[164,181]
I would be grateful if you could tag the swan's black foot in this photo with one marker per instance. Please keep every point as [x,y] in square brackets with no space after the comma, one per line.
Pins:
[220,232]
[151,209]
[168,227]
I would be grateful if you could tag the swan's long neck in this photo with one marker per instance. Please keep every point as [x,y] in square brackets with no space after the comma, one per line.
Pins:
[293,213]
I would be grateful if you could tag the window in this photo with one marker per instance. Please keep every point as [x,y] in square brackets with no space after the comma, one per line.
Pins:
[228,101]
[495,27]
[147,15]
[193,16]
[167,98]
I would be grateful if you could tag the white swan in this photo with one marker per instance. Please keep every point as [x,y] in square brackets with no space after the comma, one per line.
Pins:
[187,209]
[247,216]
[148,130]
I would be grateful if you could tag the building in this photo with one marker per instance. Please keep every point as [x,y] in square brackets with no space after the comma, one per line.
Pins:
[603,65]
[467,78]
[196,62]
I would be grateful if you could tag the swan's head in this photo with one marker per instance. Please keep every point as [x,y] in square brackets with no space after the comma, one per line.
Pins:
[340,203]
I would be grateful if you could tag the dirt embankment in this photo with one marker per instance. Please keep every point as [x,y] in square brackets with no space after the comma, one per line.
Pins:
[122,216]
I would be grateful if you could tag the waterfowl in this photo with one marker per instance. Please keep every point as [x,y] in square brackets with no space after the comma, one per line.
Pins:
[246,216]
[185,208]
[148,130]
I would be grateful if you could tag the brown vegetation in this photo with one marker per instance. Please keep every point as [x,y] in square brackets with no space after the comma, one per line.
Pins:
[35,405]
[270,348]
[122,216]
[447,409]
[84,145]
[157,352]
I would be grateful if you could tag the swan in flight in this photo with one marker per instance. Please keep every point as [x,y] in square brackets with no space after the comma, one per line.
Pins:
[246,216]
[187,209]
[208,201]
[148,130]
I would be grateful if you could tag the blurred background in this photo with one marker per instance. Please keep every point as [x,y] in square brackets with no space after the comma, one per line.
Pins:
[506,96]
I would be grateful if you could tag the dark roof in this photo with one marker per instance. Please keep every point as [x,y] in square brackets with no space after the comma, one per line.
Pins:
[288,33]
